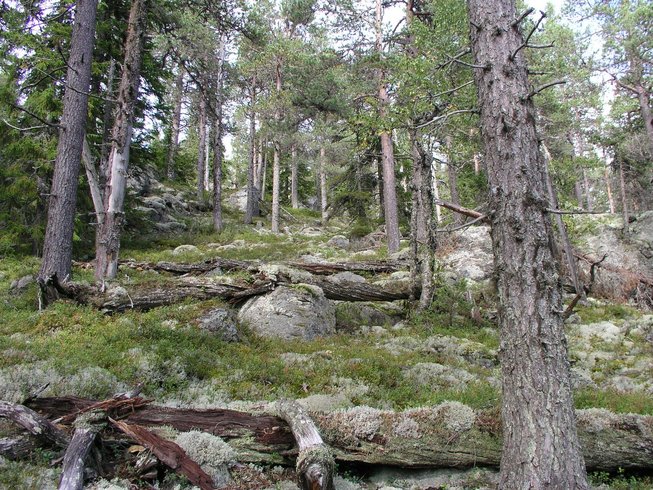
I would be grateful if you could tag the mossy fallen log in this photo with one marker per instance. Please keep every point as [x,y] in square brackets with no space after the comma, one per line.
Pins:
[450,435]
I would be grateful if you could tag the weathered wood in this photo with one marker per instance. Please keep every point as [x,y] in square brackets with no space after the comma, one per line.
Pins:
[315,465]
[461,210]
[358,291]
[34,423]
[86,429]
[168,453]
[16,448]
[433,437]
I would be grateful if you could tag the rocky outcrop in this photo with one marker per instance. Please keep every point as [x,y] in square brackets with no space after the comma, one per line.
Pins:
[299,311]
[472,257]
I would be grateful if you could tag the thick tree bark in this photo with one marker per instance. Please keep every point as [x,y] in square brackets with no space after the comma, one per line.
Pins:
[252,191]
[108,237]
[540,444]
[390,211]
[294,178]
[201,147]
[438,437]
[644,98]
[58,243]
[175,125]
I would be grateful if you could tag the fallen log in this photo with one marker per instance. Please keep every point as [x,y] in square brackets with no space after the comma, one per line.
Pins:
[315,465]
[87,428]
[168,453]
[445,436]
[320,268]
[35,424]
[16,448]
[145,298]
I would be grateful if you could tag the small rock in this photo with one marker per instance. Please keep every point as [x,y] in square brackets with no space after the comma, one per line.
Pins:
[181,249]
[170,226]
[399,275]
[345,276]
[221,322]
[22,283]
[339,241]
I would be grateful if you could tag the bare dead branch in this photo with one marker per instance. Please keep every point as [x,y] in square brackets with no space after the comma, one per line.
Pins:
[519,19]
[528,37]
[545,86]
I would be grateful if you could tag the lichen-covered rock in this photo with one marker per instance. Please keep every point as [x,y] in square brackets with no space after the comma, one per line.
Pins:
[338,241]
[211,453]
[182,249]
[290,312]
[345,276]
[431,373]
[221,322]
[472,257]
[351,316]
[22,283]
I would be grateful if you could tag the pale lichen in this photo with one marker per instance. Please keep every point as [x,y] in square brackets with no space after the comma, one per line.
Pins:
[210,452]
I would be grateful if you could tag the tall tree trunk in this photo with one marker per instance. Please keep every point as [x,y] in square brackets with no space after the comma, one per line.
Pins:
[218,148]
[644,98]
[176,124]
[263,171]
[387,152]
[540,443]
[323,185]
[453,180]
[252,191]
[578,191]
[294,178]
[108,239]
[379,179]
[608,185]
[201,150]
[58,244]
[106,125]
[624,199]
[276,169]
[586,186]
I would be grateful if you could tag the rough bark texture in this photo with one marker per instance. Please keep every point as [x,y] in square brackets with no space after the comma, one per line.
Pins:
[444,436]
[108,237]
[175,125]
[540,445]
[252,191]
[218,147]
[315,464]
[58,242]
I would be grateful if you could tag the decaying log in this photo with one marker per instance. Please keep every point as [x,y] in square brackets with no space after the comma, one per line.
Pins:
[87,427]
[315,465]
[445,436]
[16,448]
[168,453]
[175,291]
[35,424]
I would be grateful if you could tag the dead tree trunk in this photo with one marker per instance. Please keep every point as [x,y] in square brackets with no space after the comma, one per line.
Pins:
[108,236]
[218,148]
[315,464]
[58,242]
[35,424]
[443,436]
[540,444]
[86,429]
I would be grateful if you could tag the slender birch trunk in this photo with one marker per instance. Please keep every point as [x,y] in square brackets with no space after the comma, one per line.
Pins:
[108,239]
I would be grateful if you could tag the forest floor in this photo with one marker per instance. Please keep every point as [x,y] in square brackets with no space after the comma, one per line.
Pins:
[414,359]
